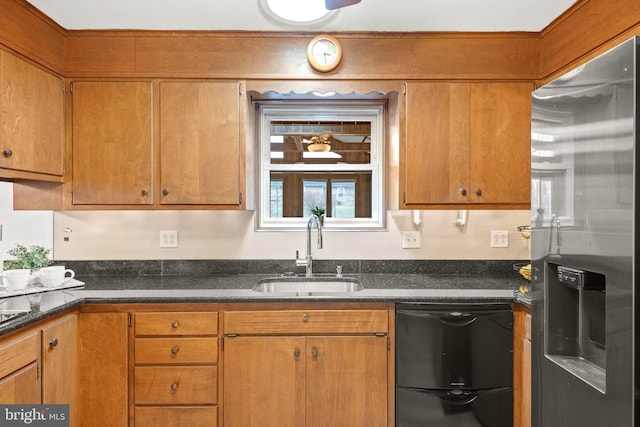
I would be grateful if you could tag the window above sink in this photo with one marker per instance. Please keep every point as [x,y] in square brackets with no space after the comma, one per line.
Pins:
[321,154]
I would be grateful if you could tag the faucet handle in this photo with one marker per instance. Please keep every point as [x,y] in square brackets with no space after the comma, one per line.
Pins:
[300,262]
[339,271]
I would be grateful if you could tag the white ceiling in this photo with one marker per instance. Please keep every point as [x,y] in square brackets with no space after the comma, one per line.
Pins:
[369,15]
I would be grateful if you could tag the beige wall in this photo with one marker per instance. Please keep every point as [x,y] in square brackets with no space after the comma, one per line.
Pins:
[134,235]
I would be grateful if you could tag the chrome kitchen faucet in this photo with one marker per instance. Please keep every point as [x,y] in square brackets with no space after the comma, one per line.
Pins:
[307,261]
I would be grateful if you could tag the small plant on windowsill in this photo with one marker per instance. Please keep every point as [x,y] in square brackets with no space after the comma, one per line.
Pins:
[317,211]
[33,258]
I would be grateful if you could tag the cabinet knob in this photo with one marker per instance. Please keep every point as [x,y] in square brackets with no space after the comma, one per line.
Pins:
[144,192]
[175,324]
[314,352]
[478,192]
[174,386]
[296,353]
[305,317]
[53,342]
[175,350]
[463,191]
[7,152]
[165,191]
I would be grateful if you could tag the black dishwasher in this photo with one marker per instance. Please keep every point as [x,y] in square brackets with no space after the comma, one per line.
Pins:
[454,365]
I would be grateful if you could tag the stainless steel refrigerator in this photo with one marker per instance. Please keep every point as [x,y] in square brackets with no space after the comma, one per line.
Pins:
[584,216]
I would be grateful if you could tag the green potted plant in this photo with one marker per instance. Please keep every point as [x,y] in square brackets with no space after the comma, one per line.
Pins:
[319,212]
[32,257]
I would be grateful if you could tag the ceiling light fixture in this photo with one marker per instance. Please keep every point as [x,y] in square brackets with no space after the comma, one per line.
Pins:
[297,12]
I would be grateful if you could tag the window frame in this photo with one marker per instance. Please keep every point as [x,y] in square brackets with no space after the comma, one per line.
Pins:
[346,110]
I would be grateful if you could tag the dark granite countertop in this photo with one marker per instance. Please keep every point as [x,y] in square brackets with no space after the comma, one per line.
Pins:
[438,288]
[228,281]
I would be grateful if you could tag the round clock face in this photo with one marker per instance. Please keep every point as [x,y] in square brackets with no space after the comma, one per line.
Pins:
[324,53]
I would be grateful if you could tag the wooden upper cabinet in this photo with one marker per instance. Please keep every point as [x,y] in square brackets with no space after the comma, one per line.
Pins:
[467,145]
[112,143]
[31,121]
[200,143]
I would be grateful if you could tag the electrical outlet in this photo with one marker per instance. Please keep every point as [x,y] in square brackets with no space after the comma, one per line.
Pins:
[499,238]
[168,238]
[410,239]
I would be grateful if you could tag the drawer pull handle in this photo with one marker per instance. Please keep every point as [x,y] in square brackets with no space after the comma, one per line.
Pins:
[144,192]
[175,350]
[53,342]
[478,192]
[296,353]
[174,386]
[305,317]
[7,152]
[314,352]
[463,191]
[175,324]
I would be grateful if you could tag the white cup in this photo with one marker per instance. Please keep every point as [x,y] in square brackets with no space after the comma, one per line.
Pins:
[54,275]
[15,280]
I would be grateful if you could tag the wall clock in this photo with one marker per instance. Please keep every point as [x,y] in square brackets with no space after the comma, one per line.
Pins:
[324,53]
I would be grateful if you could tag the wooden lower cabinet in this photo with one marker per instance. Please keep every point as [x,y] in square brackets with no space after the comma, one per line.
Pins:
[103,369]
[59,363]
[175,366]
[20,380]
[272,379]
[21,386]
[522,366]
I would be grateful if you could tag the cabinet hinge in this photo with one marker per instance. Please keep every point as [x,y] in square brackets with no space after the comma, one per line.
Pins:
[71,87]
[37,370]
[404,197]
[388,344]
[222,344]
[240,199]
[63,87]
[129,319]
[404,88]
[239,88]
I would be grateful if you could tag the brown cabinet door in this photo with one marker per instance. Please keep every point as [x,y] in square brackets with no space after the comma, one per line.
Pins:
[31,118]
[500,143]
[21,387]
[103,369]
[346,381]
[112,143]
[436,144]
[264,382]
[59,361]
[200,143]
[467,144]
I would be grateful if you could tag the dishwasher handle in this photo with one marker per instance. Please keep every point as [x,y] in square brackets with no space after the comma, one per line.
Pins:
[451,318]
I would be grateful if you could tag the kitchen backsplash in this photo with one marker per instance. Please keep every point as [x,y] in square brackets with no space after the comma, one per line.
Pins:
[352,266]
[223,235]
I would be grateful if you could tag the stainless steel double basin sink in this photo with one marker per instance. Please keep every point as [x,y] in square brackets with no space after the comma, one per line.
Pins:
[308,286]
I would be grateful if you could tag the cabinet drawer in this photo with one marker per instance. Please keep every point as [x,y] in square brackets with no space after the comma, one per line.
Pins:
[180,416]
[306,322]
[18,353]
[176,323]
[196,385]
[176,350]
